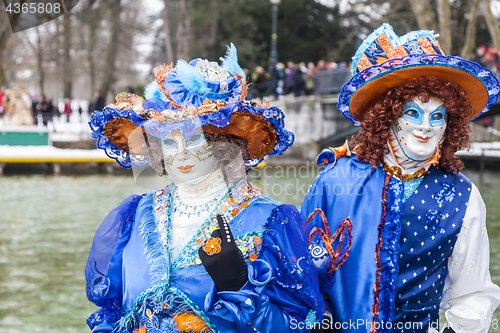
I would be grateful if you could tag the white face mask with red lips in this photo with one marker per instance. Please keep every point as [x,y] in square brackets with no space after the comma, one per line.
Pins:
[420,130]
[188,160]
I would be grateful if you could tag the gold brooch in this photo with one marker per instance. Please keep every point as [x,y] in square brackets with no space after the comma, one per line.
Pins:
[212,246]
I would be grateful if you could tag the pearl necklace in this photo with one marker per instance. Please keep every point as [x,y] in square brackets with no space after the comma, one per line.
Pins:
[194,210]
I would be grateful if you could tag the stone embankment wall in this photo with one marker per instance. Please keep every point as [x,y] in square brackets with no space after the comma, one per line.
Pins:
[311,119]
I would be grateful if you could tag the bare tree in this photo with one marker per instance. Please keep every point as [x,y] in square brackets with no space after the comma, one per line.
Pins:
[5,33]
[67,72]
[491,22]
[110,61]
[470,34]
[444,14]
[98,49]
[90,18]
[106,43]
[166,28]
[212,33]
[183,30]
[37,48]
[214,29]
[424,14]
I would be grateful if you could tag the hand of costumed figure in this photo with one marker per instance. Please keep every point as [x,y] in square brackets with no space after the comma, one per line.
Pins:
[222,259]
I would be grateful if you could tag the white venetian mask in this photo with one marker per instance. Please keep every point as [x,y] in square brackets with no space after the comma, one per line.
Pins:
[188,160]
[421,128]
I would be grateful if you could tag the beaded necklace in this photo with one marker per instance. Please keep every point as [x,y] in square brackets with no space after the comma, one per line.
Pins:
[396,172]
[164,230]
[189,210]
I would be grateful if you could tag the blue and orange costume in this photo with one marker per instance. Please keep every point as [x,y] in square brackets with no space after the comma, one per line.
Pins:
[419,241]
[138,288]
[130,272]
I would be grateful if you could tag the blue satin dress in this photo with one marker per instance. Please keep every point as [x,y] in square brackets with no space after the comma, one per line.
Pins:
[130,276]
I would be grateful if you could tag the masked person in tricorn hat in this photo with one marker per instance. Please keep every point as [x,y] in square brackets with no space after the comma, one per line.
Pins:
[419,241]
[209,252]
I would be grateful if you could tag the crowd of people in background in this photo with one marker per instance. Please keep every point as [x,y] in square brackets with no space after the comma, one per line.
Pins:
[488,56]
[279,79]
[297,79]
[44,109]
[327,77]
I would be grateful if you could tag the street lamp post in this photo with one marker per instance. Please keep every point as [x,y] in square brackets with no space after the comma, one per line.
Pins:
[273,58]
[359,9]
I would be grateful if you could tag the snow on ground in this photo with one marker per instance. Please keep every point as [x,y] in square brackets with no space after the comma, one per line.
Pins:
[76,129]
[50,154]
[60,128]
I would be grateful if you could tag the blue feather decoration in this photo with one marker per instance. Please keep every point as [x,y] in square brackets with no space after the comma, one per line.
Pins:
[230,61]
[191,78]
[152,90]
[158,258]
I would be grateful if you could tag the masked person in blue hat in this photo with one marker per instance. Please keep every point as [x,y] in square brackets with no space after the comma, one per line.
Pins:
[209,252]
[419,241]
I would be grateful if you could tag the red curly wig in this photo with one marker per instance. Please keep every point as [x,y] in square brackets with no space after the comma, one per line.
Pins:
[371,142]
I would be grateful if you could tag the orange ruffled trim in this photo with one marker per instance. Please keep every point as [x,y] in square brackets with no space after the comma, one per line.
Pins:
[160,76]
[376,286]
[244,90]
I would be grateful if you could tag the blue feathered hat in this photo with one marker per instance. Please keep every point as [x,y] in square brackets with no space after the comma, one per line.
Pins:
[191,95]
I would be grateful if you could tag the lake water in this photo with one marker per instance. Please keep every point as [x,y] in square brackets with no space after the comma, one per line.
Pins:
[47,224]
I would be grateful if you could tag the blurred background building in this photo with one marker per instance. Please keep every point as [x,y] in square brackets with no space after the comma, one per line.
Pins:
[296,53]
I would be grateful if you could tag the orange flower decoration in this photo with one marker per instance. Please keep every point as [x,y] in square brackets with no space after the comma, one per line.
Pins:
[190,322]
[212,246]
[142,329]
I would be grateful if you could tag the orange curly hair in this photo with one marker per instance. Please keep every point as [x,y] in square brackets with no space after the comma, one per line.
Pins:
[371,141]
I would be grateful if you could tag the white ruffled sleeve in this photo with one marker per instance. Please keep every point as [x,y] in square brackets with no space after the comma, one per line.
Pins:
[470,298]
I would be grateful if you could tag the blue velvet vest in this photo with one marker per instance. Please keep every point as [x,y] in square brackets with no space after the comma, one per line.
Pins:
[430,223]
